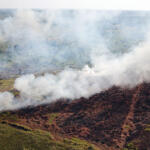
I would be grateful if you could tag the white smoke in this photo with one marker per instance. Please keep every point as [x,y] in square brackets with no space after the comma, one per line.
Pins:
[6,100]
[106,67]
[129,70]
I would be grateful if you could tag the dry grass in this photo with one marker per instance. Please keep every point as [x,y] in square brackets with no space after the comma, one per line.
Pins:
[6,84]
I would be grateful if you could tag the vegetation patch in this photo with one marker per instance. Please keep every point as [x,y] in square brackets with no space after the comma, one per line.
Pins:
[15,139]
[6,84]
[17,126]
[127,126]
[52,117]
[147,128]
[8,116]
[79,144]
[130,146]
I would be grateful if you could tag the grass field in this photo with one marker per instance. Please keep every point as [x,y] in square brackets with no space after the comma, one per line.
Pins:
[12,138]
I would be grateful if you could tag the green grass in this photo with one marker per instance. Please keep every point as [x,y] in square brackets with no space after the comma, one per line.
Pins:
[52,117]
[79,144]
[15,139]
[130,146]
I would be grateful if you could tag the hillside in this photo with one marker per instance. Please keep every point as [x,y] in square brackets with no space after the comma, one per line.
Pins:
[113,119]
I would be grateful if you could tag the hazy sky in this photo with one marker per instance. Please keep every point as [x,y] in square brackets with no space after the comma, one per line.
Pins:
[78,4]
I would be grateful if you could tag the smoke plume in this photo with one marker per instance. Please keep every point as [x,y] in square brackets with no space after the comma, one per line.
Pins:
[77,53]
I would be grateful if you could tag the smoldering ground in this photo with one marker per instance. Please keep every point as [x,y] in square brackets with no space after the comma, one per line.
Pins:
[92,51]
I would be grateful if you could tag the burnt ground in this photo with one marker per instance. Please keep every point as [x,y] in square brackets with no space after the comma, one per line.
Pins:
[113,119]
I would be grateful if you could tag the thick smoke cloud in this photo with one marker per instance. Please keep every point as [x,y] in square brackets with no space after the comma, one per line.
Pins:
[91,50]
[35,41]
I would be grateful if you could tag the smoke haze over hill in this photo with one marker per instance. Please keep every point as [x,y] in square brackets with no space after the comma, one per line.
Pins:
[92,50]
